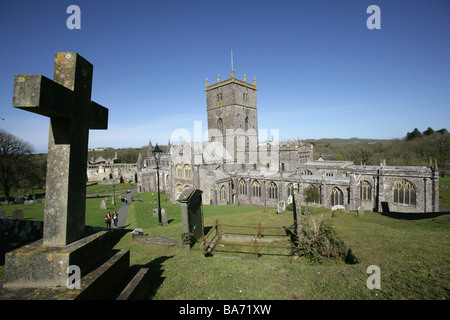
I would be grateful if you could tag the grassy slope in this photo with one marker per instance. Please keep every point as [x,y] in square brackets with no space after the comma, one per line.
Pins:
[412,255]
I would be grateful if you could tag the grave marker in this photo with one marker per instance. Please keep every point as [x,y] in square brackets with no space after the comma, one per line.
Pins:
[191,214]
[67,101]
[281,206]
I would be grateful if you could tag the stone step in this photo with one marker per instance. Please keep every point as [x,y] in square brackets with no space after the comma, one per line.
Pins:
[103,283]
[36,265]
[138,287]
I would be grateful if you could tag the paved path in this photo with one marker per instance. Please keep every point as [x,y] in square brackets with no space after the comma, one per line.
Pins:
[122,212]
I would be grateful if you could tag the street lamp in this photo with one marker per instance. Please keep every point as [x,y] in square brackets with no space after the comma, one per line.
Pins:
[157,154]
[114,195]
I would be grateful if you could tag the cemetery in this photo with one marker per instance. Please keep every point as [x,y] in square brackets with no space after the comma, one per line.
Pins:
[163,256]
[414,269]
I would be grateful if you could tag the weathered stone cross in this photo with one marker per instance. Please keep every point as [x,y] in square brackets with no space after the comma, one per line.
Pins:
[67,101]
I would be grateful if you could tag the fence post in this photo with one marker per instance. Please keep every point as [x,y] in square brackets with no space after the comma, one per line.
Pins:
[256,248]
[259,230]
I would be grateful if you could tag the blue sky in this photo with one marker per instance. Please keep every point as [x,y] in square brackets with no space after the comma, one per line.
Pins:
[321,72]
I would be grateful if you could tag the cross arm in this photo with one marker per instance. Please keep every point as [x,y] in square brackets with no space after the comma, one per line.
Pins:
[38,94]
[98,116]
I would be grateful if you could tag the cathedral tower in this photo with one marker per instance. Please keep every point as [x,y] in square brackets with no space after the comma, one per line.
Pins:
[232,115]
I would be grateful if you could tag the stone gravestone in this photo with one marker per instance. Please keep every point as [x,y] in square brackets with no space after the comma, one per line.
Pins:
[103,204]
[18,214]
[191,215]
[281,206]
[67,102]
[164,217]
[2,213]
[385,207]
[361,211]
[40,270]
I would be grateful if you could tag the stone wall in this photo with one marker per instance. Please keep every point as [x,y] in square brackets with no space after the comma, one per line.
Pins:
[100,172]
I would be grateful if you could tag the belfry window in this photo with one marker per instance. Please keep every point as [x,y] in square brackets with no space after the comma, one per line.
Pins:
[187,171]
[179,171]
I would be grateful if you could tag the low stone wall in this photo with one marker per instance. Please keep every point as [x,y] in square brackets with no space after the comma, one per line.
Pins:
[15,233]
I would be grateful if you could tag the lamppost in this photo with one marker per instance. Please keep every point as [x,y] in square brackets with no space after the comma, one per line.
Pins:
[157,154]
[114,195]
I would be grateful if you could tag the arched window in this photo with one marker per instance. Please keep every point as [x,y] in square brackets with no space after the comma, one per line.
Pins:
[366,190]
[220,125]
[179,189]
[179,171]
[337,197]
[273,190]
[404,192]
[242,187]
[256,189]
[187,171]
[329,174]
[290,190]
[307,172]
[312,194]
[223,192]
[246,124]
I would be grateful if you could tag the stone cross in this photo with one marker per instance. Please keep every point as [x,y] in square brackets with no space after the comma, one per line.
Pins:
[67,102]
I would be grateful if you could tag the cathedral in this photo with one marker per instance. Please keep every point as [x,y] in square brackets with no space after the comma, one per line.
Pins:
[234,168]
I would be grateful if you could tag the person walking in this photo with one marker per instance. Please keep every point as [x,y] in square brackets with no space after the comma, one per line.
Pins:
[108,220]
[115,219]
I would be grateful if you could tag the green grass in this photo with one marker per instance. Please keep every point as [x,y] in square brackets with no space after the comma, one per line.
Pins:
[94,215]
[444,192]
[411,251]
[412,255]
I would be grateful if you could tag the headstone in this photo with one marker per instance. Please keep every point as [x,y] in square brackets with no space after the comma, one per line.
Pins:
[281,206]
[191,215]
[103,204]
[155,213]
[2,213]
[136,232]
[164,217]
[361,211]
[385,207]
[67,102]
[18,214]
[337,207]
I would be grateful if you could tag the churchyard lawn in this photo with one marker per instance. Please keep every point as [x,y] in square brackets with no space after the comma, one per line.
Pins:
[410,250]
[412,255]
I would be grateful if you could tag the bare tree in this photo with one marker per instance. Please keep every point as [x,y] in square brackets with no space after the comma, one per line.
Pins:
[14,164]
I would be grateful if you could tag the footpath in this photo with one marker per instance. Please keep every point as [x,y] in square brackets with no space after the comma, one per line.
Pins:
[123,210]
